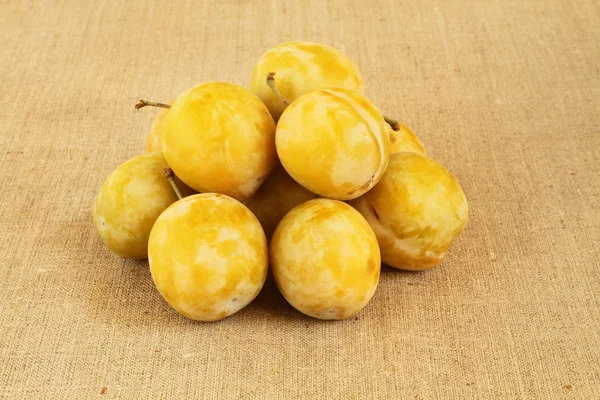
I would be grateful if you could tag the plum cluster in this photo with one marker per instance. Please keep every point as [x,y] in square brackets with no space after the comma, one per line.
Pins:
[301,174]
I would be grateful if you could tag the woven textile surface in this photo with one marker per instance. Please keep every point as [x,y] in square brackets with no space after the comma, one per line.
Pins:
[503,93]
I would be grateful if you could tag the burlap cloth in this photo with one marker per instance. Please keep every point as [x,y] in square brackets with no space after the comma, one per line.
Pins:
[505,94]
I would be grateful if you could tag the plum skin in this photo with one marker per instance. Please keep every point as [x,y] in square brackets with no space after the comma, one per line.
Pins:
[219,137]
[334,142]
[405,141]
[155,132]
[130,201]
[302,67]
[325,259]
[208,256]
[416,210]
[275,198]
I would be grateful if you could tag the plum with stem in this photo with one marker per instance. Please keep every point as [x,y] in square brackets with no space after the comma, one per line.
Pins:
[130,201]
[155,132]
[302,67]
[219,137]
[405,141]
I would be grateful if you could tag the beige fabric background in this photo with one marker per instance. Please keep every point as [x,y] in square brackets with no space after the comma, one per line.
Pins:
[504,93]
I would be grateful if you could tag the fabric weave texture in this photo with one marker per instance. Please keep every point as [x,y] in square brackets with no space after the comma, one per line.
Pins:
[504,94]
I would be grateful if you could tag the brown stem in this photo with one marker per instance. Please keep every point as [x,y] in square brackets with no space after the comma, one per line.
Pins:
[393,123]
[144,103]
[171,178]
[271,84]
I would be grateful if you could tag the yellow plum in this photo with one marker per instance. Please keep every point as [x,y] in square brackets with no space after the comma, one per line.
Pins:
[275,198]
[405,141]
[416,210]
[325,259]
[334,142]
[302,67]
[208,256]
[130,201]
[219,137]
[154,134]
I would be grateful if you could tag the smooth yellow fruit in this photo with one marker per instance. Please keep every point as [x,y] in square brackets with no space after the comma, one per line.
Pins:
[219,137]
[416,210]
[275,198]
[208,256]
[153,138]
[325,259]
[334,142]
[405,141]
[302,67]
[129,201]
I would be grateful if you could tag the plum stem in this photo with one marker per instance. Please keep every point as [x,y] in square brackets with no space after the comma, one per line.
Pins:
[271,84]
[171,178]
[144,103]
[393,123]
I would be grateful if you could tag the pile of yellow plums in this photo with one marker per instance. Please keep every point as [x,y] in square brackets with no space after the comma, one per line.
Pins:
[301,173]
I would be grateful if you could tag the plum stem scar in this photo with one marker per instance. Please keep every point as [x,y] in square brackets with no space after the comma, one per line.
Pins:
[171,178]
[144,103]
[393,123]
[271,84]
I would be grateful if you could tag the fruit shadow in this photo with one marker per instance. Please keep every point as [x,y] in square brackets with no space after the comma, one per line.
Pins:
[126,295]
[403,276]
[271,303]
[121,291]
[106,288]
[136,301]
[141,303]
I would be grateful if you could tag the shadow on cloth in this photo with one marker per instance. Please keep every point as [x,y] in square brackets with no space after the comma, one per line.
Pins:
[121,291]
